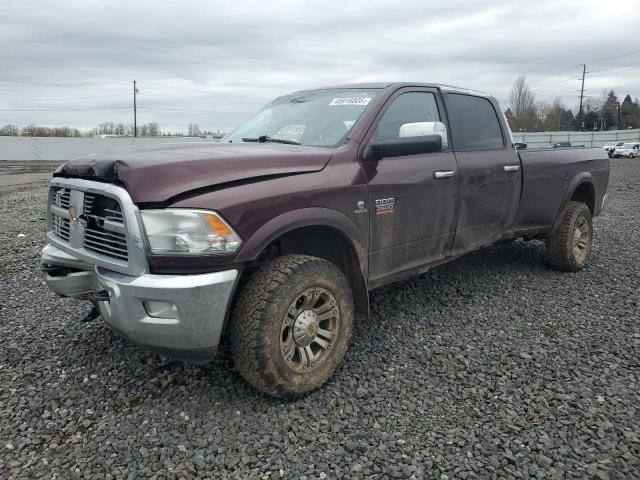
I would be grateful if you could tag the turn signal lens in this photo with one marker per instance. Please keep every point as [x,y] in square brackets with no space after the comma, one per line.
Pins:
[218,226]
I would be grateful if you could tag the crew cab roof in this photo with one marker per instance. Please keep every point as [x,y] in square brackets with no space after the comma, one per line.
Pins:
[384,85]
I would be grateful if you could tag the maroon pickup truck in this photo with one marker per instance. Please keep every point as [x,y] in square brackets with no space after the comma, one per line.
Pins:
[272,239]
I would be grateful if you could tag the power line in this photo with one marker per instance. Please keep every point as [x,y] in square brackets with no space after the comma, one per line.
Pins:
[63,85]
[612,68]
[615,73]
[195,110]
[555,85]
[555,74]
[65,98]
[615,56]
[121,108]
[60,109]
[608,71]
[172,87]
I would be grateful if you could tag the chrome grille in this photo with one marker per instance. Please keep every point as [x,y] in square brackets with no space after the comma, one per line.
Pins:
[102,223]
[104,232]
[87,220]
[60,225]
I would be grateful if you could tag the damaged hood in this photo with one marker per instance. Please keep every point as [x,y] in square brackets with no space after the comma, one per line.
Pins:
[156,174]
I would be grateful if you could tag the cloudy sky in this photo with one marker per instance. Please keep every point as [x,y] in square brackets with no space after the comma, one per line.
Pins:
[72,62]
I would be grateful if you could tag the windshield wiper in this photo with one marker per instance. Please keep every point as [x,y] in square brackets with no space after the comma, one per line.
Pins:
[267,138]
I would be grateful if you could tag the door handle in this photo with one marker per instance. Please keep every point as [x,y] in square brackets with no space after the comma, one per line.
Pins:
[511,168]
[443,174]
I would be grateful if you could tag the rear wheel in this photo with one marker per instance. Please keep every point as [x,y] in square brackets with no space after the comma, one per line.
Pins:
[569,247]
[631,155]
[292,325]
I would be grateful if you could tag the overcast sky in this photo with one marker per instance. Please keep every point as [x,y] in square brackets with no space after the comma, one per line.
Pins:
[71,62]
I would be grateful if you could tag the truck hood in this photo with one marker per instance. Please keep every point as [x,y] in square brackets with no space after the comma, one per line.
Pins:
[156,174]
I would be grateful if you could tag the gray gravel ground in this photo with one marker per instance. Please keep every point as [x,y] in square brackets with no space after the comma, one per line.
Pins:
[492,366]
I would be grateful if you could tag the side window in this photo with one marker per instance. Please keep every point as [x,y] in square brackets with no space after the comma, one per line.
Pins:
[474,123]
[412,114]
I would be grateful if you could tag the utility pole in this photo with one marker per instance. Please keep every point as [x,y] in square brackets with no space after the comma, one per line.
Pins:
[135,111]
[584,70]
[619,122]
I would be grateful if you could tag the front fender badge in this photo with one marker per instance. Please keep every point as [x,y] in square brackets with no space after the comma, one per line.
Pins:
[361,207]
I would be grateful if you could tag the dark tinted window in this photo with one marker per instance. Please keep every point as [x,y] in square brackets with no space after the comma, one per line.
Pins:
[408,108]
[474,123]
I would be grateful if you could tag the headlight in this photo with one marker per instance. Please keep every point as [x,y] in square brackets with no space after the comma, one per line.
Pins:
[176,231]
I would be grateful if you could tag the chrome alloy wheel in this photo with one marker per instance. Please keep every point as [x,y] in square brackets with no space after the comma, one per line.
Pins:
[309,329]
[581,239]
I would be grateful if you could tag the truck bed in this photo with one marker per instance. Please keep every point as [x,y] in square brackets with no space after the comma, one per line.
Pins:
[550,176]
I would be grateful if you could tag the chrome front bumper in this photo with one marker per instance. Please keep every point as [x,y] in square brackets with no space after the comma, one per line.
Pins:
[190,330]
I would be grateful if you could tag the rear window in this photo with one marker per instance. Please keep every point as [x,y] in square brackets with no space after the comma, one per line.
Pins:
[474,123]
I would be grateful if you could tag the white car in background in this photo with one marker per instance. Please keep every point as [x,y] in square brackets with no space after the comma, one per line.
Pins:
[629,149]
[610,147]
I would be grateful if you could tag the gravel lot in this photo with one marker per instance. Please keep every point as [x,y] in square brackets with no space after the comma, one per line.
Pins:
[492,366]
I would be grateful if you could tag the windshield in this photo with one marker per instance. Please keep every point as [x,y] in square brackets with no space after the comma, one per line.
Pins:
[321,118]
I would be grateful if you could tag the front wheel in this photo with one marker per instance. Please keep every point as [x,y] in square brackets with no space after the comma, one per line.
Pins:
[631,155]
[291,325]
[569,247]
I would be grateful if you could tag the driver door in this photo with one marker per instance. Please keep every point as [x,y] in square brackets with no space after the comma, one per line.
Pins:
[412,198]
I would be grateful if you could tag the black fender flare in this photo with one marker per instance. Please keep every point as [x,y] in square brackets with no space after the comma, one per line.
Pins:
[306,217]
[574,184]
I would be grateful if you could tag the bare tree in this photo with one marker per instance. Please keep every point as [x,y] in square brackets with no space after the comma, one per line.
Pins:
[591,105]
[9,131]
[106,128]
[32,130]
[61,132]
[543,110]
[556,116]
[523,106]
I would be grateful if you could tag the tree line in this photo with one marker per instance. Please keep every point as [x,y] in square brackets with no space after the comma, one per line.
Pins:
[105,128]
[37,131]
[607,112]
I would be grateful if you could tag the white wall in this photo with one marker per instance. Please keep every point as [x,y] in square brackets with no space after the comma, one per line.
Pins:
[48,148]
[588,139]
[60,149]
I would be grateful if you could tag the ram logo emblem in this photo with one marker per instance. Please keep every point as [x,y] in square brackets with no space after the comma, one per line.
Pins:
[73,214]
[385,206]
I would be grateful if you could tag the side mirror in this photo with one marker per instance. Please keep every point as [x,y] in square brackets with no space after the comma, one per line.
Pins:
[420,129]
[403,146]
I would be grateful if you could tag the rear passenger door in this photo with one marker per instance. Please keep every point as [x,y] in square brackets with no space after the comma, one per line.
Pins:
[489,172]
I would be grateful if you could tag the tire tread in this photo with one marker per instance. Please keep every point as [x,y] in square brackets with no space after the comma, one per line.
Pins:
[559,246]
[249,320]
